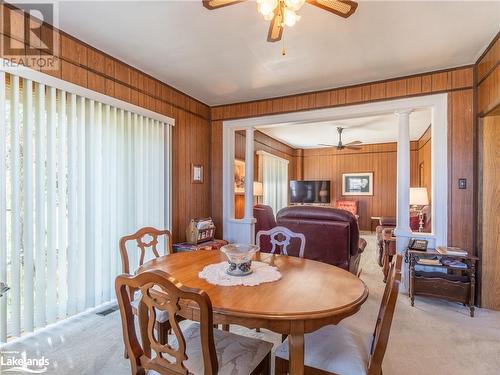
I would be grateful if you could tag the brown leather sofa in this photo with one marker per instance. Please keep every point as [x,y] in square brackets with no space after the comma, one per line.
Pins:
[332,235]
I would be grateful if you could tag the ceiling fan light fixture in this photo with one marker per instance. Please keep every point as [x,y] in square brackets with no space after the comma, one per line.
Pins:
[267,7]
[294,5]
[290,18]
[269,17]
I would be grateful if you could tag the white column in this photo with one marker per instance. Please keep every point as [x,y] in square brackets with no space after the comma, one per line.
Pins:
[403,173]
[403,231]
[249,161]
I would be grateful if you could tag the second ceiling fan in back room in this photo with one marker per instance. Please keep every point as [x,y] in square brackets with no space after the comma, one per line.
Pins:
[283,13]
[340,145]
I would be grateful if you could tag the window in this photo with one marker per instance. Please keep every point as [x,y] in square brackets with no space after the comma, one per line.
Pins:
[273,173]
[76,174]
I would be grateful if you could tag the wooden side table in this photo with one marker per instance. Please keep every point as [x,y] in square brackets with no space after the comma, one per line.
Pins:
[376,220]
[457,284]
[207,245]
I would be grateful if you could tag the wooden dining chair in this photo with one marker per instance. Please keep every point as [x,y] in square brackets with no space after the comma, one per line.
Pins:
[281,237]
[196,349]
[145,239]
[340,350]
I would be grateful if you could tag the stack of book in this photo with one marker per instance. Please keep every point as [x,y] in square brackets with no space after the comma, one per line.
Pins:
[450,262]
[451,251]
[429,261]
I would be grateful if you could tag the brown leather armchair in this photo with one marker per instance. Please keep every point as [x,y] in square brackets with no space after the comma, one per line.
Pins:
[332,235]
[265,220]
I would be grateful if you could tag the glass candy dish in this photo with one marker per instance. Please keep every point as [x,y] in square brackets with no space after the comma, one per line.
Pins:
[239,257]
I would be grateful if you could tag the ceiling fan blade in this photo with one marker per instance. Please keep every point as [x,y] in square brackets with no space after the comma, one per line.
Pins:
[353,143]
[214,4]
[276,28]
[352,147]
[342,8]
[326,144]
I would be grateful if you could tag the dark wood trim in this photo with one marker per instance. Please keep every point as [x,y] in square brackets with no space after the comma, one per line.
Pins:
[492,43]
[335,105]
[477,232]
[364,84]
[487,74]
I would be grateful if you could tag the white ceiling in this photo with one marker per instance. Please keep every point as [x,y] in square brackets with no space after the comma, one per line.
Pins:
[222,56]
[368,130]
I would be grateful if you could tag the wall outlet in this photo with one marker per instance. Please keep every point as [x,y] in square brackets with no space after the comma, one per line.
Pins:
[462,183]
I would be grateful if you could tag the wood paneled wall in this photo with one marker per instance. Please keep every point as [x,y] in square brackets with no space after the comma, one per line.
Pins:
[424,157]
[488,103]
[263,142]
[488,79]
[88,67]
[330,163]
[490,252]
[458,83]
[268,144]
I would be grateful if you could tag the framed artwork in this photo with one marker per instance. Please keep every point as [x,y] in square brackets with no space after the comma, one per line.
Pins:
[196,174]
[357,183]
[239,177]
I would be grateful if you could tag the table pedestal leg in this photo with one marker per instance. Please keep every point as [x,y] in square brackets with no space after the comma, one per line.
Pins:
[296,348]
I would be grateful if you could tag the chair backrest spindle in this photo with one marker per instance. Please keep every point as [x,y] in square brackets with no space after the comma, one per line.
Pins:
[142,244]
[281,237]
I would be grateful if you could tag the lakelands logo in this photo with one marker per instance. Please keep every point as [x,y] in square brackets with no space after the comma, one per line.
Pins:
[11,362]
[31,38]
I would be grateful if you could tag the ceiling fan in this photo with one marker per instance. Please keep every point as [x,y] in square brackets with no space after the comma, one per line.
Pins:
[340,145]
[282,13]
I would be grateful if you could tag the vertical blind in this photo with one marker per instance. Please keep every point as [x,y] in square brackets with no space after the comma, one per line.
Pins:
[273,172]
[76,175]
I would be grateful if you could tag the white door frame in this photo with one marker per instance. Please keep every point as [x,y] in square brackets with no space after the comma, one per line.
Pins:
[242,230]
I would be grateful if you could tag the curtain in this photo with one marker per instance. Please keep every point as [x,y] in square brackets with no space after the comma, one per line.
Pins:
[76,175]
[273,172]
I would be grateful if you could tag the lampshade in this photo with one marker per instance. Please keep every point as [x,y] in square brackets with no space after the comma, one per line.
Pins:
[257,189]
[418,196]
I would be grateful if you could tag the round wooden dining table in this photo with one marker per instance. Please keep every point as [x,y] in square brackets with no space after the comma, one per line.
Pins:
[308,296]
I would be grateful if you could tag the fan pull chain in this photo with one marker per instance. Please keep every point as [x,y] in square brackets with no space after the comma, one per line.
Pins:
[283,49]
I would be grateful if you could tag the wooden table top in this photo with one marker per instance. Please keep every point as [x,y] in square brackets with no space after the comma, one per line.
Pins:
[307,289]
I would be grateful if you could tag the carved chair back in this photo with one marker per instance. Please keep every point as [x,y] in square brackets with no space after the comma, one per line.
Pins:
[162,292]
[281,237]
[385,315]
[146,237]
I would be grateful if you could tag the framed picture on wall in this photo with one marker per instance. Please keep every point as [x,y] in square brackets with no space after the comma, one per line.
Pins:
[357,183]
[239,177]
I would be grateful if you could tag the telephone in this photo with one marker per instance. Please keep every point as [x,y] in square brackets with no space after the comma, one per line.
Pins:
[420,245]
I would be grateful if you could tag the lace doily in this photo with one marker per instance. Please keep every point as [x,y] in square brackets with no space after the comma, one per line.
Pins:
[262,273]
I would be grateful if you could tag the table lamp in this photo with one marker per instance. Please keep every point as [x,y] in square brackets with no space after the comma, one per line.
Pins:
[419,199]
[258,190]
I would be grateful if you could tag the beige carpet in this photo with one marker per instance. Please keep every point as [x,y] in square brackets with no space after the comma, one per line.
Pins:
[434,337]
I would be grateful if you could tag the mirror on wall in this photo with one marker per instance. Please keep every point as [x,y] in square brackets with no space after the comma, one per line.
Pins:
[421,173]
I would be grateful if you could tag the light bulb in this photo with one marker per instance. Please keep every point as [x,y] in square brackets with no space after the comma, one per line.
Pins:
[289,17]
[267,7]
[294,4]
[269,17]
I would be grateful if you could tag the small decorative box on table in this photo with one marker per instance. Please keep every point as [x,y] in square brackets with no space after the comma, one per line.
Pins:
[208,245]
[456,284]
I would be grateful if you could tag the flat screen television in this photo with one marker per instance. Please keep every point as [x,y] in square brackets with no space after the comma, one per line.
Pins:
[309,191]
